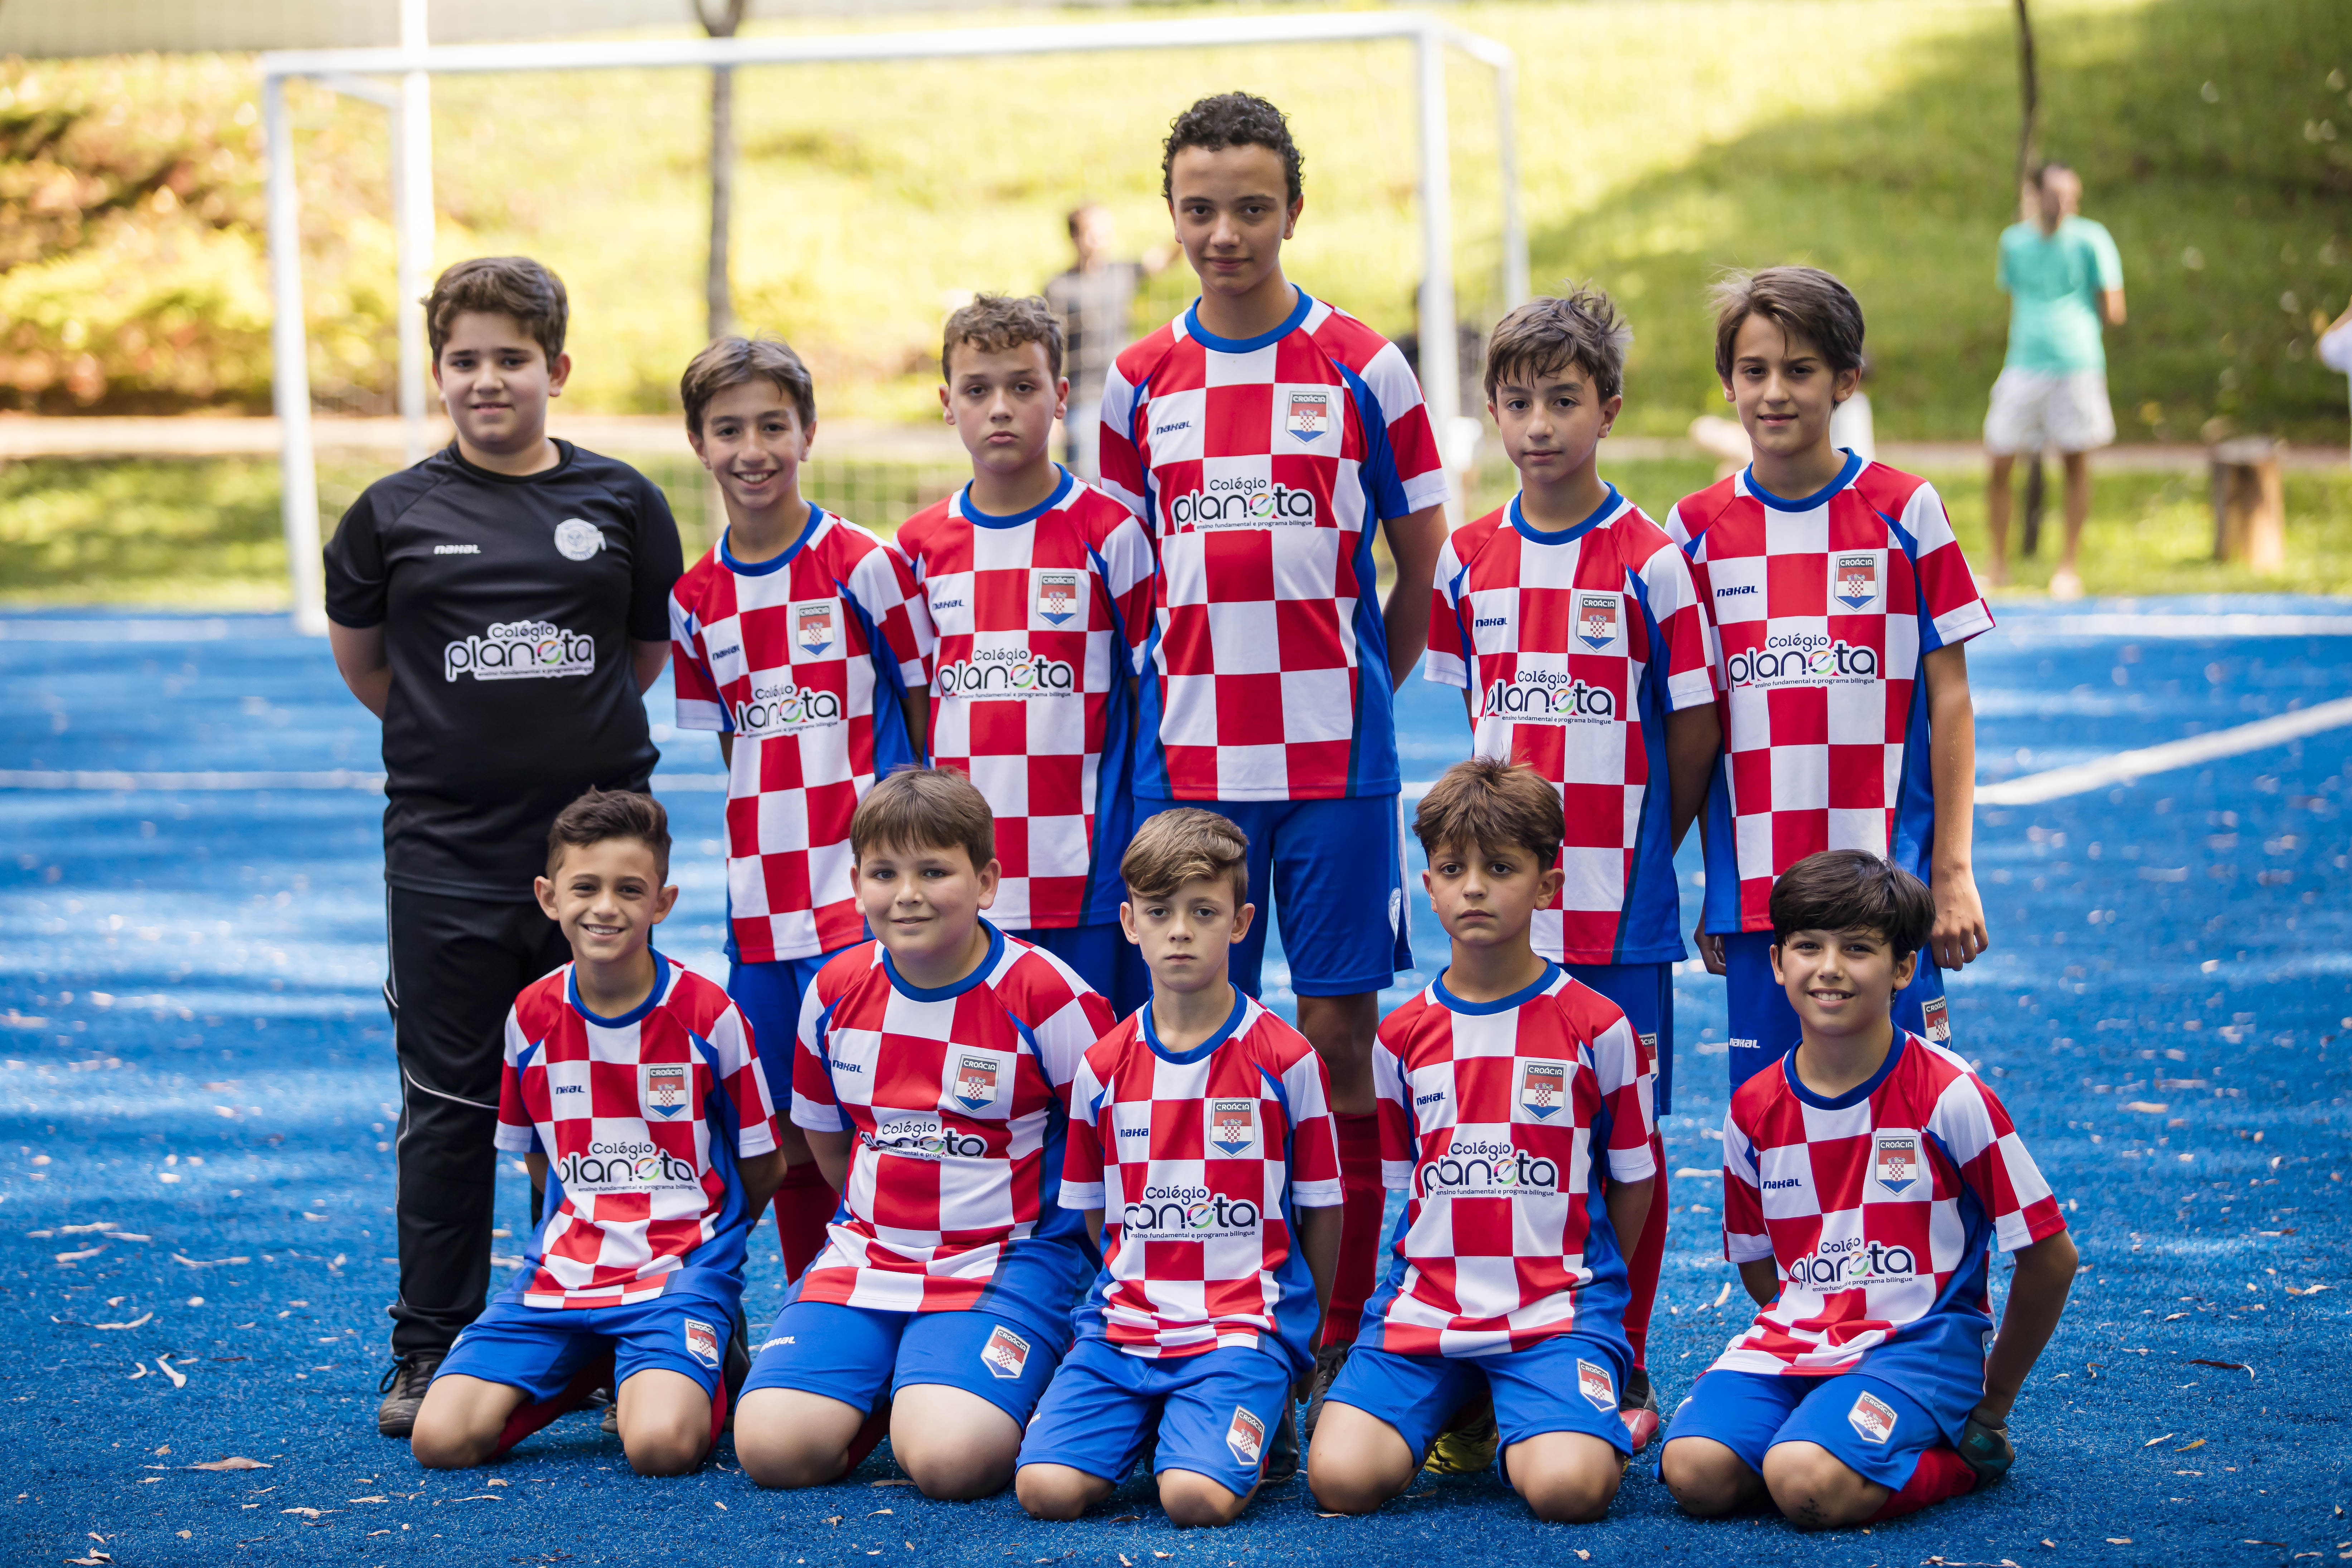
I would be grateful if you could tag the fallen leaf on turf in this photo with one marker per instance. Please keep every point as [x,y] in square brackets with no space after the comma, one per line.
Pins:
[2176,1317]
[2309,1290]
[891,1483]
[873,1513]
[2051,1544]
[716,1504]
[305,1512]
[77,1257]
[1126,1518]
[1722,1296]
[1164,1555]
[138,1374]
[2119,1540]
[1125,1560]
[2152,1442]
[179,1379]
[489,1483]
[1582,1555]
[2186,1446]
[365,1499]
[2224,1366]
[2152,1107]
[133,1323]
[234,1462]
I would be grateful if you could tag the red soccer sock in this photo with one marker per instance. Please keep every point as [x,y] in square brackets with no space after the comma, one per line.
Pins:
[718,1415]
[1360,1226]
[529,1418]
[869,1437]
[1642,1264]
[804,1206]
[1941,1475]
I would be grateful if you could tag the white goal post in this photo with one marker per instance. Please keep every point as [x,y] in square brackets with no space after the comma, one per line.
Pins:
[411,66]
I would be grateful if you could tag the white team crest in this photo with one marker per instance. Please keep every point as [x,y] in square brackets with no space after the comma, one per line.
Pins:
[1310,415]
[1005,1355]
[977,1081]
[1932,1013]
[1057,597]
[1233,1127]
[669,1089]
[816,627]
[1600,620]
[1543,1089]
[702,1343]
[1592,1381]
[1894,1161]
[1246,1437]
[1872,1417]
[577,539]
[1854,578]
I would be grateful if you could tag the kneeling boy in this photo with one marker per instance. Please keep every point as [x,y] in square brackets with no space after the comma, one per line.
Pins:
[1514,1114]
[932,1077]
[1211,1119]
[1866,1177]
[638,1270]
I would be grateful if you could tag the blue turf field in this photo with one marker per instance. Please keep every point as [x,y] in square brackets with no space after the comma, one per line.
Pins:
[196,1064]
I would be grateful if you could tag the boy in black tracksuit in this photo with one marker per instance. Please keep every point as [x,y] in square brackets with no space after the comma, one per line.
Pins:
[501,607]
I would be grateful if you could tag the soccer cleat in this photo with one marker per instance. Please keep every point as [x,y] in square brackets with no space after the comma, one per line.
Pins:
[1985,1449]
[403,1384]
[1329,1360]
[611,1424]
[1468,1444]
[1282,1446]
[1638,1408]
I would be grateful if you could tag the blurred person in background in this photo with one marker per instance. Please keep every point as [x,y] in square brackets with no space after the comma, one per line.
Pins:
[1096,298]
[2335,343]
[2062,277]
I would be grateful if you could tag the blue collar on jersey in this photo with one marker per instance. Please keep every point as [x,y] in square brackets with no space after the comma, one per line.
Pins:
[774,563]
[1192,328]
[980,519]
[653,997]
[1185,1059]
[1569,535]
[1854,1096]
[1520,997]
[953,988]
[1845,478]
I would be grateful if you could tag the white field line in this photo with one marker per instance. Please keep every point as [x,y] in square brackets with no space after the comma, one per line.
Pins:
[104,781]
[2123,766]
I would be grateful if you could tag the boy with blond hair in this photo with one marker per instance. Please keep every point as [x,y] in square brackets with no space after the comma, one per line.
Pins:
[1517,1120]
[1570,623]
[1209,1118]
[931,1077]
[802,640]
[1840,604]
[502,607]
[1039,589]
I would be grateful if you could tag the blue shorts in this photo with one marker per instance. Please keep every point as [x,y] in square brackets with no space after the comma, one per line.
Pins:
[1333,871]
[1103,957]
[1871,1426]
[1214,1412]
[1644,992]
[1764,1027]
[854,1353]
[537,1349]
[769,996]
[1570,1383]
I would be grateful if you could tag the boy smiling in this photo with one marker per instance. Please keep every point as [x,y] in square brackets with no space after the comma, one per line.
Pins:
[1841,605]
[1866,1176]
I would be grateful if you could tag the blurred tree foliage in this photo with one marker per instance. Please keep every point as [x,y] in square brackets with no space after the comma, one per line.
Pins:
[133,271]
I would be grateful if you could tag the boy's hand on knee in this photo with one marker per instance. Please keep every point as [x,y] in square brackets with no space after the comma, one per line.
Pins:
[1985,1448]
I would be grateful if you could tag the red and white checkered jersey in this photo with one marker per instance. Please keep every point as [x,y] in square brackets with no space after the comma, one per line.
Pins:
[958,1096]
[642,1119]
[1878,1209]
[1574,647]
[1262,466]
[1499,1121]
[802,658]
[1822,609]
[1209,1152]
[1038,618]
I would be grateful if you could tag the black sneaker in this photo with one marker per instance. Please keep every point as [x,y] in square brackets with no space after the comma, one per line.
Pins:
[611,1424]
[403,1387]
[1329,1360]
[1282,1447]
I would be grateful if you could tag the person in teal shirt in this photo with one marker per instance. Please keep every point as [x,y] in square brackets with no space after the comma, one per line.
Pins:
[2064,277]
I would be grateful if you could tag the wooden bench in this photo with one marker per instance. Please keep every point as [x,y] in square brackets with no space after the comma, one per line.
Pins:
[2249,505]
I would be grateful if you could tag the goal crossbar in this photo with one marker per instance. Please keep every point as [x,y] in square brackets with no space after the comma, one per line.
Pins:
[355,72]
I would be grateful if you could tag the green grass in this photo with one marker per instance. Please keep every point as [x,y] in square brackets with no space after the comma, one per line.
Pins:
[205,532]
[1662,140]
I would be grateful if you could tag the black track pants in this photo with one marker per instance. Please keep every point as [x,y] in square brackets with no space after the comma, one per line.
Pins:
[456,966]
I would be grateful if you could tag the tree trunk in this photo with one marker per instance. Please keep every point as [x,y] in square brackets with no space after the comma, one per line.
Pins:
[719,302]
